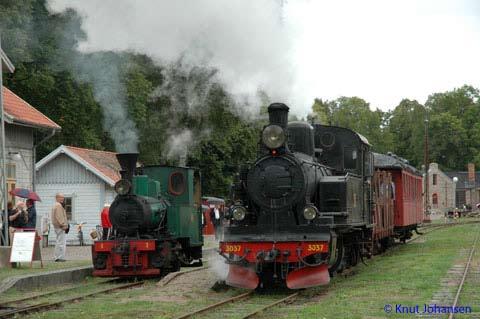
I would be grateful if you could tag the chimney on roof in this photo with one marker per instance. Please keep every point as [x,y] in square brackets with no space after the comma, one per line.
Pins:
[471,173]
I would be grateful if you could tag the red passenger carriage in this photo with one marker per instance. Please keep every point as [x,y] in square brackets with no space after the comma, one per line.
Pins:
[405,190]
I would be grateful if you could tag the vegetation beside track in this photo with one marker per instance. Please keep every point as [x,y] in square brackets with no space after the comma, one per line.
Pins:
[409,275]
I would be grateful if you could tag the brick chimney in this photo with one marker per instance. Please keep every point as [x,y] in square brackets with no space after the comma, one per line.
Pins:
[471,173]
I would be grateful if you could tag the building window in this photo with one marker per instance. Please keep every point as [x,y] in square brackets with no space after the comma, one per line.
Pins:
[11,181]
[435,200]
[68,202]
[434,179]
[11,171]
[10,187]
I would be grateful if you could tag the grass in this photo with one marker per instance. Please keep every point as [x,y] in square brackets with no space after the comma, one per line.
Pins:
[408,275]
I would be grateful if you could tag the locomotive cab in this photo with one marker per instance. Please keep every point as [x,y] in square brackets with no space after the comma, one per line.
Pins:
[342,194]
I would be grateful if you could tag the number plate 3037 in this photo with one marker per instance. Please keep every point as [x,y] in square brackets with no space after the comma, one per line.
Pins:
[232,248]
[315,247]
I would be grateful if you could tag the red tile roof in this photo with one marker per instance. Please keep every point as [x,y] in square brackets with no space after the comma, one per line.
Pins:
[23,113]
[105,162]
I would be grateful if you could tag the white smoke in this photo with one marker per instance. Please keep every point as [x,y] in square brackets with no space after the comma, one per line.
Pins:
[178,144]
[102,71]
[248,42]
[219,267]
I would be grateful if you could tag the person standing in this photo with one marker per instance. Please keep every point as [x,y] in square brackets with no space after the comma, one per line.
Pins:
[60,225]
[216,219]
[105,218]
[32,214]
[18,218]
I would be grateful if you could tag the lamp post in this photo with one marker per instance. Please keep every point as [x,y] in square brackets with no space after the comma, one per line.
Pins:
[426,217]
[455,180]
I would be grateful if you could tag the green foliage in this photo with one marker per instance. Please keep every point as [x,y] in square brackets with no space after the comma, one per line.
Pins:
[167,100]
[230,143]
[451,118]
[355,113]
[448,140]
[406,126]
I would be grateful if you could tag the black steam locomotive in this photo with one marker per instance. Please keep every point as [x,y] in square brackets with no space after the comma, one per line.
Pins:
[302,209]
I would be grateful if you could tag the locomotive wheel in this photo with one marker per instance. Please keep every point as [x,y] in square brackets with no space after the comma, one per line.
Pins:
[339,265]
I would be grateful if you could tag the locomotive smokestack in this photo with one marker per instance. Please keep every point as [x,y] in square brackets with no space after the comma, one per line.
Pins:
[128,162]
[278,114]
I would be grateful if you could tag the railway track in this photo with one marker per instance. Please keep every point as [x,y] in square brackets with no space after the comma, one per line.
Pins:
[465,273]
[249,304]
[433,227]
[246,305]
[7,311]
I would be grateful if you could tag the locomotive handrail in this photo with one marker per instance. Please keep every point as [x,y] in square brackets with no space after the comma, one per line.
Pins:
[333,214]
[299,255]
[242,258]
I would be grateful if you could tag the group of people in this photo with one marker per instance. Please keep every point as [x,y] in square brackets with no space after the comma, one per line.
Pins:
[21,216]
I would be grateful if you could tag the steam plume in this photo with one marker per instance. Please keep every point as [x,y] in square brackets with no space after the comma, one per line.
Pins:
[102,71]
[249,42]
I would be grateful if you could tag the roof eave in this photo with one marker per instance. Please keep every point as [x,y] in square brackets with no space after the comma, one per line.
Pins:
[35,125]
[62,149]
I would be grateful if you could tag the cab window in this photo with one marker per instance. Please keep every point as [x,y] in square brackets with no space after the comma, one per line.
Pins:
[176,183]
[350,156]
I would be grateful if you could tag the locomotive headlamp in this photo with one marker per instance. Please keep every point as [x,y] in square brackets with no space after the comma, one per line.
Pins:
[122,187]
[273,136]
[239,213]
[310,212]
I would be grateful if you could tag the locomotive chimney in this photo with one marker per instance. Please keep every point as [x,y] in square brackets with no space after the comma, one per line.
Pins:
[278,114]
[128,162]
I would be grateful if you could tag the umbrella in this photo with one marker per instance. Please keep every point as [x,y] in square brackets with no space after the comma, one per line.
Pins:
[25,193]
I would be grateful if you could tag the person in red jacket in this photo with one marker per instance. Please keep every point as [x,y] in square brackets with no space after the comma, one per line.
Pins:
[106,225]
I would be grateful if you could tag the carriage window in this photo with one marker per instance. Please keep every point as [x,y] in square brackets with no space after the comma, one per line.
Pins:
[350,158]
[176,183]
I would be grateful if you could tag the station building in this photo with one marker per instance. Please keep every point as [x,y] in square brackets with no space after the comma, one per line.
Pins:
[86,177]
[441,191]
[25,129]
[468,187]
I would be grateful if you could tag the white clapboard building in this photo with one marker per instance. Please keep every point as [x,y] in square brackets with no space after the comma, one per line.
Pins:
[86,177]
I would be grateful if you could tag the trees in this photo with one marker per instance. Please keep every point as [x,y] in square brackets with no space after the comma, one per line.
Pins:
[448,139]
[454,129]
[406,126]
[354,113]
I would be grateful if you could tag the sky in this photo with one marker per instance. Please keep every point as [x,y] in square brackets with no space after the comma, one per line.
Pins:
[384,51]
[381,51]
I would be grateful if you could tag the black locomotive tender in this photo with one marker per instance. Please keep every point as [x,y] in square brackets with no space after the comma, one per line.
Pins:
[303,208]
